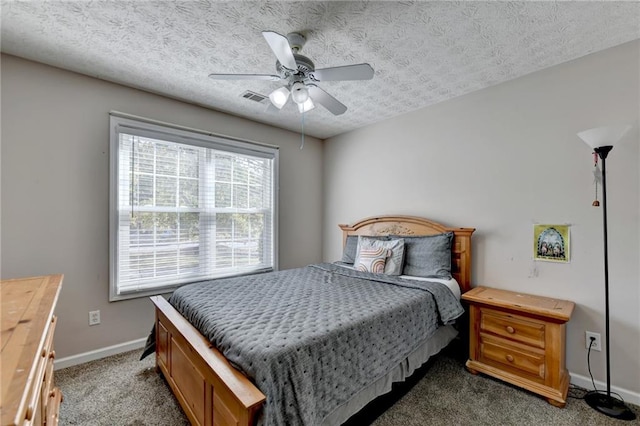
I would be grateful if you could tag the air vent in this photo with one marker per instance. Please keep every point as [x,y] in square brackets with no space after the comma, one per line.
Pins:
[253,96]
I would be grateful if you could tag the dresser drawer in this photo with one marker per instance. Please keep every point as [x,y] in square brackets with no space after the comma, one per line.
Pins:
[42,391]
[513,327]
[47,384]
[34,397]
[53,407]
[507,356]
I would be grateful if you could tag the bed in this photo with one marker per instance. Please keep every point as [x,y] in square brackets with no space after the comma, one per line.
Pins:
[213,391]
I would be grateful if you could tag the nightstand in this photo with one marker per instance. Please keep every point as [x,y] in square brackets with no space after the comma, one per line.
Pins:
[520,338]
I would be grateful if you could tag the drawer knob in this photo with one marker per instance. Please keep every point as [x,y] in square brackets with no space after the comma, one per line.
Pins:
[510,329]
[29,415]
[509,358]
[52,354]
[44,352]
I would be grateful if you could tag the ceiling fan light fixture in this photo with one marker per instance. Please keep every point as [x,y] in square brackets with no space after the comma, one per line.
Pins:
[299,93]
[279,97]
[307,105]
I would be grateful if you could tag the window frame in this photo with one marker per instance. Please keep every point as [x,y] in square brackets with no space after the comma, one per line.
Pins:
[138,126]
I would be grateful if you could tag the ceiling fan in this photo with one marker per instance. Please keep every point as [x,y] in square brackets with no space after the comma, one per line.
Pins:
[300,75]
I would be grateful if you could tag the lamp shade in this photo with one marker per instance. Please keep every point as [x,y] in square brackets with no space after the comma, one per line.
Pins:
[279,97]
[308,105]
[604,136]
[299,92]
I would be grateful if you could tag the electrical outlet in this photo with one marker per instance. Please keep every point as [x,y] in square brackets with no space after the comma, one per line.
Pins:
[94,317]
[596,346]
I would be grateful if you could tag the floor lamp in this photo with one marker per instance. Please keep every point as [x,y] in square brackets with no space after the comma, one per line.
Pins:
[602,140]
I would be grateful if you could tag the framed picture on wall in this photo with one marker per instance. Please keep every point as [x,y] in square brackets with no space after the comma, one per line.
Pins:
[551,243]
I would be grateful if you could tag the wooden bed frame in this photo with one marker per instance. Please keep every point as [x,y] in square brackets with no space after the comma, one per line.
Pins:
[209,389]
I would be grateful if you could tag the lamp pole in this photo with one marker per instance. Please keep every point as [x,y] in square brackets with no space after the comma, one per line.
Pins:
[605,403]
[602,152]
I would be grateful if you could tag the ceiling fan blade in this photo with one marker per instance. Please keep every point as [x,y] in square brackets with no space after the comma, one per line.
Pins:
[347,72]
[281,48]
[244,77]
[326,100]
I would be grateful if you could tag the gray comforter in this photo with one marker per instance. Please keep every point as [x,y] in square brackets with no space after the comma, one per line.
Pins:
[311,338]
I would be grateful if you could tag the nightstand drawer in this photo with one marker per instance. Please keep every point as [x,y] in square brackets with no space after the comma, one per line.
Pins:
[510,357]
[513,327]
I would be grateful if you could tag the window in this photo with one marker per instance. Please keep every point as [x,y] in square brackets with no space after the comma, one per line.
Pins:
[187,206]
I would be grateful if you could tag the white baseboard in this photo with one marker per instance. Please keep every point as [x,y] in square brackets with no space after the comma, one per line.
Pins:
[98,353]
[585,382]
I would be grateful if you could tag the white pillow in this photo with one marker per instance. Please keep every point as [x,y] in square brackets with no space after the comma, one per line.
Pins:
[371,259]
[395,262]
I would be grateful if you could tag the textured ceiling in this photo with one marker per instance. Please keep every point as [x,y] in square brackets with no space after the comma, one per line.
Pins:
[422,52]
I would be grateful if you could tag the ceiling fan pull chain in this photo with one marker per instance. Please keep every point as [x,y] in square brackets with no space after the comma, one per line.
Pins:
[302,142]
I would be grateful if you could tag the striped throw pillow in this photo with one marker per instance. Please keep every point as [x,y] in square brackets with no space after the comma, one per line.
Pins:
[372,259]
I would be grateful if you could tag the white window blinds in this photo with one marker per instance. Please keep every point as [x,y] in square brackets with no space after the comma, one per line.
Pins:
[188,207]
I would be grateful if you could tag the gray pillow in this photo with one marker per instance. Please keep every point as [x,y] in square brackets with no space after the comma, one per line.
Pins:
[351,247]
[428,256]
[395,261]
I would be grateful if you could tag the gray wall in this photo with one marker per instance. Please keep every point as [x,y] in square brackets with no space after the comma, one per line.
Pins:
[502,159]
[55,191]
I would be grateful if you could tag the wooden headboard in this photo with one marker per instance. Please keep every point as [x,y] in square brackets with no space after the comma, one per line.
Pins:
[411,225]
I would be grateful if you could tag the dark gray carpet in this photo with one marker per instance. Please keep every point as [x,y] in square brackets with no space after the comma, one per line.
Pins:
[120,390]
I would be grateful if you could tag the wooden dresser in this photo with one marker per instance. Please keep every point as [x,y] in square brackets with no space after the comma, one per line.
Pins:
[29,396]
[520,338]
